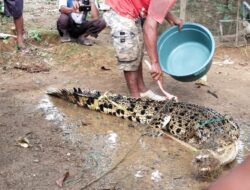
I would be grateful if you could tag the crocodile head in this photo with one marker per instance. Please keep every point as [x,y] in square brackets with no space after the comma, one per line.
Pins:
[205,165]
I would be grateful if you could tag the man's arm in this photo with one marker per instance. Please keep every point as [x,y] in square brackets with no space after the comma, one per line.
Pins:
[94,10]
[174,20]
[157,13]
[67,10]
[150,37]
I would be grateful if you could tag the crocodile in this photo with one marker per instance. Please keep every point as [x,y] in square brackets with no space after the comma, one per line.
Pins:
[211,135]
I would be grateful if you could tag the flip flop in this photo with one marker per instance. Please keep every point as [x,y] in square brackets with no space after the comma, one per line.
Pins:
[84,41]
[168,96]
[23,50]
[151,95]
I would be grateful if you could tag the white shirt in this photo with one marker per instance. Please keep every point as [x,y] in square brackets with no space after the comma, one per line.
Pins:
[77,17]
[101,5]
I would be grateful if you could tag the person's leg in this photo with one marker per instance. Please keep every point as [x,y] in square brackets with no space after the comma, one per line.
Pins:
[79,32]
[62,27]
[14,8]
[19,30]
[89,28]
[133,69]
[140,80]
[137,86]
[62,23]
[128,42]
[83,34]
[94,27]
[135,82]
[131,78]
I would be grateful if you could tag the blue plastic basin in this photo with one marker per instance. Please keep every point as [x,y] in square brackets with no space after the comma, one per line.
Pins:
[186,55]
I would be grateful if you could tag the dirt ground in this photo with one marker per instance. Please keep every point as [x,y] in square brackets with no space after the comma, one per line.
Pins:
[98,151]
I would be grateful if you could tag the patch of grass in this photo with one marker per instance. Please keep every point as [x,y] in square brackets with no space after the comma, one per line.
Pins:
[35,35]
[5,19]
[1,7]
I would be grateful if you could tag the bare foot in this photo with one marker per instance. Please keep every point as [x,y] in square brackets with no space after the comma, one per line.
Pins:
[20,42]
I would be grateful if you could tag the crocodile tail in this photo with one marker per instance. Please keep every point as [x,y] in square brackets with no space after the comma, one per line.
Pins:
[64,94]
[83,98]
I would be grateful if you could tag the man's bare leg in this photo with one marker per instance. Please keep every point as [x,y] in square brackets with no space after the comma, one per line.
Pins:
[19,29]
[137,87]
[131,78]
[140,80]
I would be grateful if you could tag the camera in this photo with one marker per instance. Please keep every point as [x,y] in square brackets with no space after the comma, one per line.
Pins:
[85,7]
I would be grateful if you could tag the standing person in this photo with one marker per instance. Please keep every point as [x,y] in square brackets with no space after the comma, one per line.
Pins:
[125,19]
[14,8]
[74,24]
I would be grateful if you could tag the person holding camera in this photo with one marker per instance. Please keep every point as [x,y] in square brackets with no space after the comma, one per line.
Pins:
[73,24]
[135,23]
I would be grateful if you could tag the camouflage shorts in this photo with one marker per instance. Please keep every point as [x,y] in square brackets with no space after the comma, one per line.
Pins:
[127,40]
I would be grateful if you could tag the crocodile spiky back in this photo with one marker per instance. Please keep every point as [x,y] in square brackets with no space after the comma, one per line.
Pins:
[196,125]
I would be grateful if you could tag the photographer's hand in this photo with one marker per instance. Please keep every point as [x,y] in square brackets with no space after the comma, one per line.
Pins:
[67,10]
[76,5]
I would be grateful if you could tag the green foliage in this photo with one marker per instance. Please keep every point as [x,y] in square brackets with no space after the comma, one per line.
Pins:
[1,7]
[225,8]
[4,19]
[35,35]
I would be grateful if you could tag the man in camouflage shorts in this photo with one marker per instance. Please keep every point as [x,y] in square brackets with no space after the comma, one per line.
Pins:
[125,19]
[127,40]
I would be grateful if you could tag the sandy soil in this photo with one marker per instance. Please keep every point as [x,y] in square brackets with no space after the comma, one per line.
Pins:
[64,138]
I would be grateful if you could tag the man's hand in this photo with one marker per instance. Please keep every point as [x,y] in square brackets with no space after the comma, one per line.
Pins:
[67,10]
[76,5]
[178,22]
[174,20]
[156,71]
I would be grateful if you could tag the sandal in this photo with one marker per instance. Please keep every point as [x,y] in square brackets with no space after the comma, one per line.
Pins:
[151,95]
[23,50]
[66,38]
[84,41]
